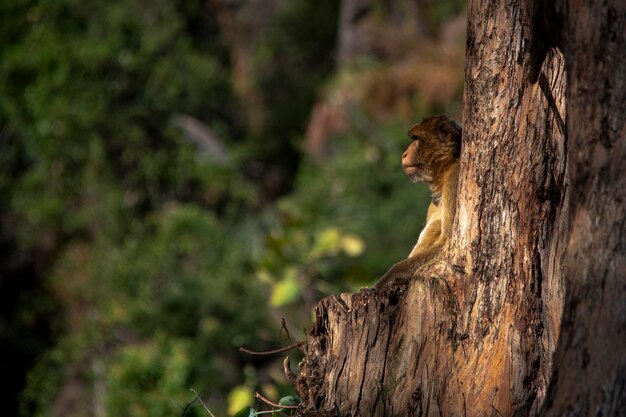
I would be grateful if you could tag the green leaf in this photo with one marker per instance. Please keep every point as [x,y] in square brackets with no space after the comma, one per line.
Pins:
[238,397]
[286,290]
[290,400]
[327,243]
[246,412]
[352,245]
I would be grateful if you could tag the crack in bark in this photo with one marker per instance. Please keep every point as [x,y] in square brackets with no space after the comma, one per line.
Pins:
[384,372]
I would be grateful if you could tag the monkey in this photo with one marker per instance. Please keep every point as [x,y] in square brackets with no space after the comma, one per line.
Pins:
[431,158]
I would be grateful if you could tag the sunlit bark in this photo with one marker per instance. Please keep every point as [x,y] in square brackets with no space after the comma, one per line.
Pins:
[541,214]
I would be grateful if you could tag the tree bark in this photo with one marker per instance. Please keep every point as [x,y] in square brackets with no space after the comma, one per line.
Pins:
[474,333]
[590,361]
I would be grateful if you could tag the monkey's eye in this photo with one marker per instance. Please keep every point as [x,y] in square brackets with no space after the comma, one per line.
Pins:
[415,137]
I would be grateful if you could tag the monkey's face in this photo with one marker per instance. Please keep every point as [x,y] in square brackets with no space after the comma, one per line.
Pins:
[415,164]
[436,144]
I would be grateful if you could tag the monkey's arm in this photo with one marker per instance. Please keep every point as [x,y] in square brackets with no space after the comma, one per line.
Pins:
[403,271]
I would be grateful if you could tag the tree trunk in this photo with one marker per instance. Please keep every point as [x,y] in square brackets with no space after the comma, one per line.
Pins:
[474,334]
[590,361]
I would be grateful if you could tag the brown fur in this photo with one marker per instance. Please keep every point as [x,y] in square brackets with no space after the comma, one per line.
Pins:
[433,158]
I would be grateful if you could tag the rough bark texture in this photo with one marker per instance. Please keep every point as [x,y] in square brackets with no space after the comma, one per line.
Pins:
[474,333]
[590,361]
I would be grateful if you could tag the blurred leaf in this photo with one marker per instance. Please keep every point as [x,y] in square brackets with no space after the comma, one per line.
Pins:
[239,397]
[327,242]
[352,245]
[246,412]
[264,276]
[286,290]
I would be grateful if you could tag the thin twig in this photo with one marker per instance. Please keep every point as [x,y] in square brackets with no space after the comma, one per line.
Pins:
[288,373]
[284,326]
[273,404]
[271,352]
[202,402]
[184,409]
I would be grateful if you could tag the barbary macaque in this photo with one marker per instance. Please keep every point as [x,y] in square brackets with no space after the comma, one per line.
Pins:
[432,158]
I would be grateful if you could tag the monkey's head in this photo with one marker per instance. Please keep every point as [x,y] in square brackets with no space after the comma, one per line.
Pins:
[436,144]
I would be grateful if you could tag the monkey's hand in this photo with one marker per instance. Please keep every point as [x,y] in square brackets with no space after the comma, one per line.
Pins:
[399,273]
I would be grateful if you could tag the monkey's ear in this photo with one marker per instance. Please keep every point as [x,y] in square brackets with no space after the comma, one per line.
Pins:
[452,133]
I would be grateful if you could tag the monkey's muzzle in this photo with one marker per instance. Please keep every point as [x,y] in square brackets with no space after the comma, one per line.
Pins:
[415,172]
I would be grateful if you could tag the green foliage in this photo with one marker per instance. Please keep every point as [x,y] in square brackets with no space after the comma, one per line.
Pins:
[96,172]
[144,380]
[183,303]
[45,378]
[90,88]
[156,276]
[163,261]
